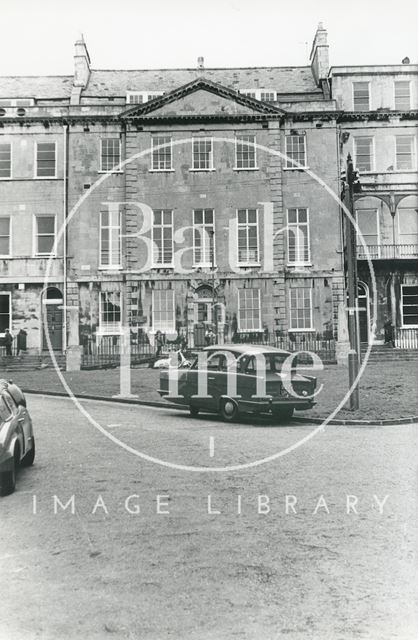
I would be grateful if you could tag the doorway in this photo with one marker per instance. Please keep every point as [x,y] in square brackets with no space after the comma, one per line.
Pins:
[52,318]
[363,313]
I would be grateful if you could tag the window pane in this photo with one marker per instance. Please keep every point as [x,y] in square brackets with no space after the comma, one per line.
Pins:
[46,224]
[45,244]
[45,159]
[5,160]
[361,96]
[402,95]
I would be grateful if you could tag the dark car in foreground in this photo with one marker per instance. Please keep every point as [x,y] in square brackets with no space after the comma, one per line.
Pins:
[234,379]
[17,442]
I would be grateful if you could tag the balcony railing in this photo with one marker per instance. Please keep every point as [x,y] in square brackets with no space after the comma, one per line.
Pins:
[388,251]
[406,338]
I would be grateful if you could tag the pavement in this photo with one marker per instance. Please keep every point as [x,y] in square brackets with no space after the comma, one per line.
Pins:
[334,560]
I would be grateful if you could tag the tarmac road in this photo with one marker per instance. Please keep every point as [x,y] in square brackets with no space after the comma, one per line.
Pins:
[118,566]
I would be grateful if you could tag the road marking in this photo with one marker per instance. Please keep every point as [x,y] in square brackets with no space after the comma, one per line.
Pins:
[211,446]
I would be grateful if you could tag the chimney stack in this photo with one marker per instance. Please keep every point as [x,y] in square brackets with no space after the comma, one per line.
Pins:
[200,62]
[319,57]
[81,64]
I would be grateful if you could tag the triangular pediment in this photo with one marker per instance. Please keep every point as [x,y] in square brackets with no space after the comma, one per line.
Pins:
[202,98]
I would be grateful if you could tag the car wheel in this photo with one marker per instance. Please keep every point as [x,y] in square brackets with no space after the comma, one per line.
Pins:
[283,414]
[228,410]
[30,456]
[8,478]
[194,411]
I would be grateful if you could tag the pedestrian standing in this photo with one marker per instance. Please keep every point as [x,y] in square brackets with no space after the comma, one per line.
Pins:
[8,339]
[21,341]
[389,333]
[158,343]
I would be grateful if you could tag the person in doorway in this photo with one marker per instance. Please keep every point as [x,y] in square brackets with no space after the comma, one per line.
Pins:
[209,337]
[8,340]
[389,332]
[21,341]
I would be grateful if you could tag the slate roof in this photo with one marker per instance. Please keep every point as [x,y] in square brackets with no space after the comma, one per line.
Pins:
[35,86]
[106,83]
[281,79]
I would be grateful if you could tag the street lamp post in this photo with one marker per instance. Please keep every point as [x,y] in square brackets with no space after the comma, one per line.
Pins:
[351,257]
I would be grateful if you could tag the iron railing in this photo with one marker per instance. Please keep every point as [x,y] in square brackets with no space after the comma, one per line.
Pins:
[388,251]
[323,347]
[406,338]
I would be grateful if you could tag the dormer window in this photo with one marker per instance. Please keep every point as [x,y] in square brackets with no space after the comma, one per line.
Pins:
[264,95]
[139,97]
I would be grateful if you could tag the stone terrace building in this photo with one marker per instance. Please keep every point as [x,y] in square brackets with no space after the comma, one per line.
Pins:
[194,197]
[379,110]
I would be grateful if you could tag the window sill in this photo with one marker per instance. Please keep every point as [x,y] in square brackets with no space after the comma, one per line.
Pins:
[162,266]
[250,330]
[304,168]
[45,177]
[110,172]
[193,170]
[8,178]
[206,265]
[103,333]
[249,265]
[110,268]
[301,330]
[161,170]
[246,168]
[298,265]
[44,255]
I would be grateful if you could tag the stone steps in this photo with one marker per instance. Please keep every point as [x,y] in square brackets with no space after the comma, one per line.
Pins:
[381,353]
[30,362]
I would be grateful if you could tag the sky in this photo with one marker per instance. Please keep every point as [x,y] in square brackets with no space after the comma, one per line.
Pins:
[38,37]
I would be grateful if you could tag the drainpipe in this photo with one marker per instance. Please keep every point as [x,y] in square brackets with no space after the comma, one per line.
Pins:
[65,212]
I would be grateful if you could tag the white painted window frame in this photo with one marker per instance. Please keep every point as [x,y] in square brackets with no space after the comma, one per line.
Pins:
[369,92]
[413,151]
[253,263]
[288,164]
[203,139]
[240,328]
[301,329]
[164,329]
[308,261]
[109,228]
[37,143]
[10,177]
[405,326]
[35,253]
[145,95]
[108,329]
[162,265]
[237,141]
[204,227]
[379,243]
[8,255]
[394,94]
[373,153]
[158,170]
[101,170]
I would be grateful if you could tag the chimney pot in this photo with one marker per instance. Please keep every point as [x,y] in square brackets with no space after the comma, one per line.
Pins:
[200,62]
[406,60]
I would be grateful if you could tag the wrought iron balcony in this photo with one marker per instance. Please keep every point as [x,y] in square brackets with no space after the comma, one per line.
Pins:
[388,251]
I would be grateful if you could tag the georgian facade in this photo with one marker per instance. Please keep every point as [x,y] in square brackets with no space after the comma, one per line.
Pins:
[192,198]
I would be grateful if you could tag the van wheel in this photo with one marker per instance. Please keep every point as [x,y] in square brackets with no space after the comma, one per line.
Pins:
[228,410]
[30,456]
[283,414]
[194,411]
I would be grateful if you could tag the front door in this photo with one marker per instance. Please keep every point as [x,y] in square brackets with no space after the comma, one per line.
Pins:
[54,326]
